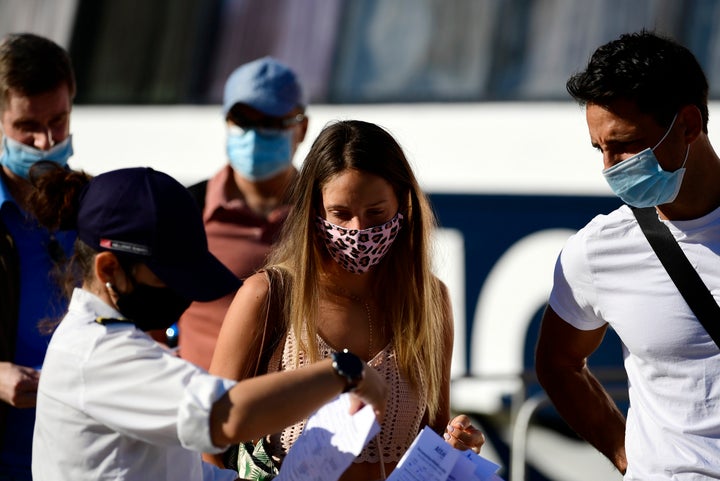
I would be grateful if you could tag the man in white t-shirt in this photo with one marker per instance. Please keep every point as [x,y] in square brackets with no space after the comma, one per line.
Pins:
[646,107]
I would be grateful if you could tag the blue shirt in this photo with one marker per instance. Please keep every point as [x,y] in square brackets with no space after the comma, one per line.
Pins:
[41,299]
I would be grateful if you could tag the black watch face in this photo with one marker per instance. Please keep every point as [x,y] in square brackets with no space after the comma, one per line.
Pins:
[348,365]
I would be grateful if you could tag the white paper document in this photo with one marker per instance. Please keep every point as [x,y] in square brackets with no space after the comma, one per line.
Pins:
[331,440]
[430,458]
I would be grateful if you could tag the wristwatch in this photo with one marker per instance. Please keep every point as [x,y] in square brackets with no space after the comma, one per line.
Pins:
[347,365]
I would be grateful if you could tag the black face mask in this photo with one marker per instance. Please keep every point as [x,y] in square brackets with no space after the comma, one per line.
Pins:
[150,307]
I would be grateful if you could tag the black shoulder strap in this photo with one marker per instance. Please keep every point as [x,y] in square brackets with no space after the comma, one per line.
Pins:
[682,273]
[198,192]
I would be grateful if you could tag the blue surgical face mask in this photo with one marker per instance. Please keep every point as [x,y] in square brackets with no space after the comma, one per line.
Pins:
[19,157]
[640,181]
[259,154]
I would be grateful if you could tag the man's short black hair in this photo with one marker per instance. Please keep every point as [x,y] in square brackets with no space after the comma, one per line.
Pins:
[656,73]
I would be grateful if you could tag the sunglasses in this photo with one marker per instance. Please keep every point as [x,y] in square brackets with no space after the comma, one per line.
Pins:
[266,123]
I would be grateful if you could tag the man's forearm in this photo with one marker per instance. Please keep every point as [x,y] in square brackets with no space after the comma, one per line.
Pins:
[589,410]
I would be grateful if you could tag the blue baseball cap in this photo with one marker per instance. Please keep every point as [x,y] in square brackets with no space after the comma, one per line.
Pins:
[265,85]
[147,216]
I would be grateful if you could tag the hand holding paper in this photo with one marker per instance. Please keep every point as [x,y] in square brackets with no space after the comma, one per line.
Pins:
[430,458]
[332,438]
[461,434]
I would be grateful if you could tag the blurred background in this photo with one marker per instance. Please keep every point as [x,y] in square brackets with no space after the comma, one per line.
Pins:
[474,90]
[349,51]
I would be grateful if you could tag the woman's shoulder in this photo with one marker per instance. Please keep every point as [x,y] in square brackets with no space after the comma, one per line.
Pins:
[257,283]
[258,280]
[263,281]
[254,289]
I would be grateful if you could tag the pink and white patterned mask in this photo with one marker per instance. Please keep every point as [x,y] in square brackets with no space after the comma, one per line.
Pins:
[358,250]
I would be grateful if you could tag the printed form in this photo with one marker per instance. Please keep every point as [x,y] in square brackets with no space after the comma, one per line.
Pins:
[430,458]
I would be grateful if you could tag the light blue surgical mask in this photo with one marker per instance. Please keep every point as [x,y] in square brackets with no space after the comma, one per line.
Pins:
[19,157]
[640,181]
[259,154]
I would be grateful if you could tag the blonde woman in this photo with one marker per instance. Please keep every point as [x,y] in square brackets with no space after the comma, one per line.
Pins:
[352,271]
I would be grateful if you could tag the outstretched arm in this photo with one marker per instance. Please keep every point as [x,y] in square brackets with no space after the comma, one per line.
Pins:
[269,403]
[561,366]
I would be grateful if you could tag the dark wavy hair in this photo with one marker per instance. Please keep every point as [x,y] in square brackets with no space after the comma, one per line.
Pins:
[54,203]
[656,73]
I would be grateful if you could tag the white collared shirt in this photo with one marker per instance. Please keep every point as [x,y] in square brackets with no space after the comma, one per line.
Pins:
[113,404]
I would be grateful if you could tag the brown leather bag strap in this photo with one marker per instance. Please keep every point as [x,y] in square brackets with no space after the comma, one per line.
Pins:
[274,326]
[262,349]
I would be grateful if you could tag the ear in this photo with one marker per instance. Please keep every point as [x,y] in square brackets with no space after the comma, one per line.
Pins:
[108,269]
[691,119]
[302,130]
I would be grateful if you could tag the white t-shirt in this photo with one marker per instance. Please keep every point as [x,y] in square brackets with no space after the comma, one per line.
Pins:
[113,404]
[608,273]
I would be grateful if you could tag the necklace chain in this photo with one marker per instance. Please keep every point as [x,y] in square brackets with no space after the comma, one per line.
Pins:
[368,312]
[370,343]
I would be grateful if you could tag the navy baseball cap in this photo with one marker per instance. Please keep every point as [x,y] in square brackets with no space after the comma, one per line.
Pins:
[148,216]
[265,85]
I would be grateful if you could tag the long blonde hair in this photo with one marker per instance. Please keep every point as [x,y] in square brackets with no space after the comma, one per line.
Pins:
[415,304]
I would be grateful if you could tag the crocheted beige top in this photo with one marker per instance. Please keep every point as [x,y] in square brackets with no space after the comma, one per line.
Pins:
[403,413]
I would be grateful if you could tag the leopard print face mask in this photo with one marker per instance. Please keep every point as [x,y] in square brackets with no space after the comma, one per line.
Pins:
[358,250]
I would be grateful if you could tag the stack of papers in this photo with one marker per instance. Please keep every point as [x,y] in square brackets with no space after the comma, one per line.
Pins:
[430,458]
[333,438]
